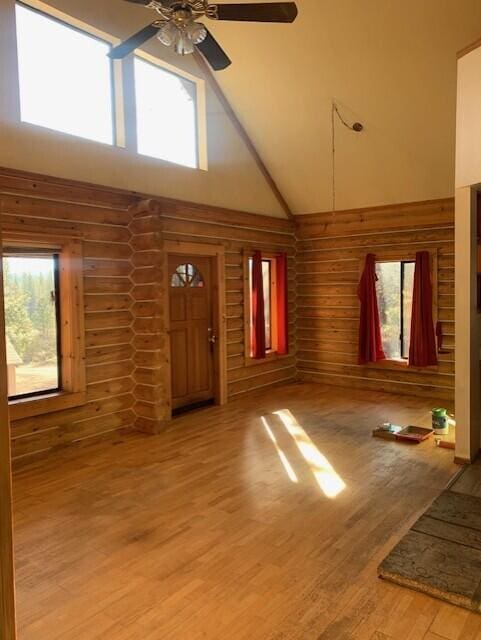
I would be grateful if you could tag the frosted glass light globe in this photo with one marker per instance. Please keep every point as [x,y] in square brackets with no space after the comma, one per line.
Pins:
[168,33]
[197,32]
[183,44]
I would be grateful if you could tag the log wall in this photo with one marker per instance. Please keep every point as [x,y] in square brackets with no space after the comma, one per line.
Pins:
[100,218]
[330,250]
[236,232]
[125,339]
[123,273]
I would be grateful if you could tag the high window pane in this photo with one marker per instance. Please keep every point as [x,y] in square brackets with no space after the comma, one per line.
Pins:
[394,291]
[166,115]
[31,323]
[65,77]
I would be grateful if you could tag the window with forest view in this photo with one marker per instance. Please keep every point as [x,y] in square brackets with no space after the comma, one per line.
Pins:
[31,322]
[395,292]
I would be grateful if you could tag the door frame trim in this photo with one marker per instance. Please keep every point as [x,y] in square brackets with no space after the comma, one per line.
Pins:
[7,575]
[217,253]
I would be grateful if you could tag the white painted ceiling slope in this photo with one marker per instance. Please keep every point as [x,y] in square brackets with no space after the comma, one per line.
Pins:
[390,64]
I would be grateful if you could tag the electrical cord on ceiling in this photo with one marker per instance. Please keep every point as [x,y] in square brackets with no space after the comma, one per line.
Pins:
[357,127]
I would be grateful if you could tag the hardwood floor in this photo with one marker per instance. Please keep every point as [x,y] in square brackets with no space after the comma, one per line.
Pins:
[229,526]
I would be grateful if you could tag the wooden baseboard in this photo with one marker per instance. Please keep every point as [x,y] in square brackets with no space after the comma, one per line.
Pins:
[459,460]
[462,461]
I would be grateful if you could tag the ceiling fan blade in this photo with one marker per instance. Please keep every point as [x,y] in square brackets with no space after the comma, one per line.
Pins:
[258,12]
[214,53]
[129,45]
[144,2]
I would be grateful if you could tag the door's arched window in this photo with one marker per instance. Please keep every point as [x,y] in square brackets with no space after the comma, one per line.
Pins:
[187,275]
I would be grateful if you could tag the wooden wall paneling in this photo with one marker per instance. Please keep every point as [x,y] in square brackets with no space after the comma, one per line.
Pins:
[7,580]
[126,353]
[398,217]
[330,250]
[152,372]
[125,343]
[99,218]
[192,211]
[237,233]
[18,182]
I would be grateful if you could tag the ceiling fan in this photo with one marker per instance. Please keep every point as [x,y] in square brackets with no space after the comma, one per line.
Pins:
[177,25]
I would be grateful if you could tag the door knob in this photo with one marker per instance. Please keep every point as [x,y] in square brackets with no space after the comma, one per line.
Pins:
[212,336]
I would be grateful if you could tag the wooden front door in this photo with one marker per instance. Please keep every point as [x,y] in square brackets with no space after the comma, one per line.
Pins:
[191,330]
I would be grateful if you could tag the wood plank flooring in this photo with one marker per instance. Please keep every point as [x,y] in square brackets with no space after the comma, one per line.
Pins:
[230,526]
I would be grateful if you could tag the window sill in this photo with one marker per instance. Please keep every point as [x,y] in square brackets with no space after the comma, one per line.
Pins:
[29,407]
[394,363]
[271,356]
[397,365]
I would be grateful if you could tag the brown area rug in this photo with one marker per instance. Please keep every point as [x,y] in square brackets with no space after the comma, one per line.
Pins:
[441,554]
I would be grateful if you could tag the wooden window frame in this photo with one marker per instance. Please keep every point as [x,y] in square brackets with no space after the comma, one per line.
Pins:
[7,572]
[406,256]
[72,336]
[271,354]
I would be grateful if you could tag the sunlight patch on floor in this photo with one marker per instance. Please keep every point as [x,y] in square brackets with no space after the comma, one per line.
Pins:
[326,477]
[282,456]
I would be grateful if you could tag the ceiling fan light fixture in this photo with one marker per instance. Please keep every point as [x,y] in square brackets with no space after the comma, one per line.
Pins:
[176,25]
[183,37]
[168,34]
[183,43]
[196,32]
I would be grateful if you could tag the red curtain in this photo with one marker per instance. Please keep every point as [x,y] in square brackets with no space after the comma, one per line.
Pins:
[258,330]
[370,342]
[282,308]
[422,348]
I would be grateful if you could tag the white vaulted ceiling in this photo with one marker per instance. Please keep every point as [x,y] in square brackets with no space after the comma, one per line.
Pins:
[390,64]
